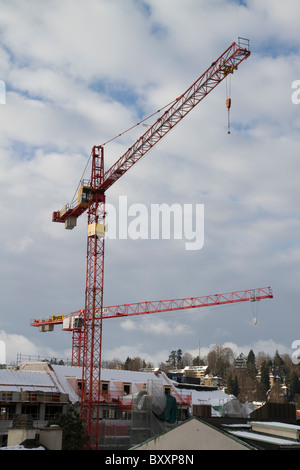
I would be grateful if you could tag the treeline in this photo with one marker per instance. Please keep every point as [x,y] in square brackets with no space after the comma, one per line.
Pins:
[135,363]
[275,378]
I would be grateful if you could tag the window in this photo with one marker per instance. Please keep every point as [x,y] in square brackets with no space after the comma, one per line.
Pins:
[51,410]
[108,413]
[6,412]
[104,386]
[80,384]
[32,410]
[126,415]
[126,389]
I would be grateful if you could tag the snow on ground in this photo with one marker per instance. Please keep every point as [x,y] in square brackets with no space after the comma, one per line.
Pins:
[20,447]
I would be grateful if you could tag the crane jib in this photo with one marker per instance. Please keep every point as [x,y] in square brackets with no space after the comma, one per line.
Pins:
[225,64]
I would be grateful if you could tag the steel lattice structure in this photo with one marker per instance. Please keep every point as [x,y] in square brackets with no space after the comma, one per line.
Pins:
[92,323]
[100,181]
[146,308]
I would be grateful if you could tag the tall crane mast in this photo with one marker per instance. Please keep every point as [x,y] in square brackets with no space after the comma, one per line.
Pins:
[91,197]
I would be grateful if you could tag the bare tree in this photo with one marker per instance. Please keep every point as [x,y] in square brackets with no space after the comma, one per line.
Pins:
[187,359]
[220,359]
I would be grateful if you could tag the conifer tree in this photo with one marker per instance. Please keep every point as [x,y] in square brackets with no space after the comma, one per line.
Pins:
[251,364]
[73,436]
[236,387]
[294,385]
[264,378]
[230,385]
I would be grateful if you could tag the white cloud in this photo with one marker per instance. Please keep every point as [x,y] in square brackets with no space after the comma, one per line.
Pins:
[16,343]
[268,346]
[156,327]
[154,357]
[19,346]
[128,325]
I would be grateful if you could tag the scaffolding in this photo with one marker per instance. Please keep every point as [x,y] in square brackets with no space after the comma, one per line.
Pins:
[147,408]
[139,417]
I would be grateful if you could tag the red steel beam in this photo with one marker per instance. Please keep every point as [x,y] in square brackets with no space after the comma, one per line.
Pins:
[141,308]
[156,306]
[225,64]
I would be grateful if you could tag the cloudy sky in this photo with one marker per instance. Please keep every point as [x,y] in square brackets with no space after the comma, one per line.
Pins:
[77,73]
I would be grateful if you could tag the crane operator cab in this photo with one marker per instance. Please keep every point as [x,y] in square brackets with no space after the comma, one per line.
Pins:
[84,195]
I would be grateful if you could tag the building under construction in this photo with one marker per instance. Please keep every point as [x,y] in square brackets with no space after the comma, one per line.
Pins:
[135,405]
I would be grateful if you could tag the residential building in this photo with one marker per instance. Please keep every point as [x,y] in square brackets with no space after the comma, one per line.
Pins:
[34,393]
[135,405]
[240,362]
[195,371]
[194,375]
[42,390]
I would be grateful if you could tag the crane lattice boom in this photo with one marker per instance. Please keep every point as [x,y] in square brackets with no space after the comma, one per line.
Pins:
[157,306]
[74,321]
[225,64]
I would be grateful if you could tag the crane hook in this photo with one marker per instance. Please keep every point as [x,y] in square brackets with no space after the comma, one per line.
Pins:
[228,100]
[228,105]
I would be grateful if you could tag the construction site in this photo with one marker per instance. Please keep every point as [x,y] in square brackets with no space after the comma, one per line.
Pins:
[149,154]
[143,409]
[133,406]
[153,399]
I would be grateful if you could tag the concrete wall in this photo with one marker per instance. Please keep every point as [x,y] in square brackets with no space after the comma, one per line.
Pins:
[17,436]
[51,438]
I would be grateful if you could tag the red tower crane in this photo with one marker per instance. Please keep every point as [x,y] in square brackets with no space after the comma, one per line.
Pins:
[91,198]
[73,322]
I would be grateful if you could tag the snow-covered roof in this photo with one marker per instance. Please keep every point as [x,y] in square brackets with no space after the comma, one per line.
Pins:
[17,381]
[63,379]
[278,441]
[215,398]
[21,447]
[63,376]
[276,424]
